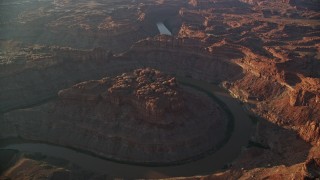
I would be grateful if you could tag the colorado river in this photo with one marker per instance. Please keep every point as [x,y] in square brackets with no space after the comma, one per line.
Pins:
[226,154]
[163,29]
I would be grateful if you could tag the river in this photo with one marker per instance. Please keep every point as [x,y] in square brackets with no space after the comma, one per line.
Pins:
[163,29]
[243,128]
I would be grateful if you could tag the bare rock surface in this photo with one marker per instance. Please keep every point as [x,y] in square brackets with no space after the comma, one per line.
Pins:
[151,92]
[142,117]
[266,53]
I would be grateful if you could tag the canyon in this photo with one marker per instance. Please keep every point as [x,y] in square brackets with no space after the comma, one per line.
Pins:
[264,53]
[138,117]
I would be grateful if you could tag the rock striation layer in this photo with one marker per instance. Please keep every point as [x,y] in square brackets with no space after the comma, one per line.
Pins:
[152,93]
[144,116]
[265,52]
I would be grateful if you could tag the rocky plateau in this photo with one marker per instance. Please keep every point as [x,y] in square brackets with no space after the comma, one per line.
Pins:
[266,54]
[138,117]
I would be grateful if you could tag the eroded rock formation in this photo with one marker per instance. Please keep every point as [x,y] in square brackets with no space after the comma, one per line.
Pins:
[266,53]
[151,92]
[142,117]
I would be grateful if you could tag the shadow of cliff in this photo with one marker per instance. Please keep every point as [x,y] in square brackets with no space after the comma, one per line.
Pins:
[307,67]
[7,159]
[270,146]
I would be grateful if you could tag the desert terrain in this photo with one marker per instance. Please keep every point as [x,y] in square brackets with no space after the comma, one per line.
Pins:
[195,89]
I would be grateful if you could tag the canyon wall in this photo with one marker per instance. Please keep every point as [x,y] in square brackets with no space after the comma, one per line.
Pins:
[140,117]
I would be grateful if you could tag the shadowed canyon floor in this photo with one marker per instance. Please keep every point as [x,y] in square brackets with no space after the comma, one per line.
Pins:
[264,53]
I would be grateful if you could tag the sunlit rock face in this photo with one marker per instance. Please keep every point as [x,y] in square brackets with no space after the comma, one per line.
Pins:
[143,116]
[152,93]
[266,53]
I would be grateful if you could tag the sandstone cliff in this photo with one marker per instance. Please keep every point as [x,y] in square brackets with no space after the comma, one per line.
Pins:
[140,117]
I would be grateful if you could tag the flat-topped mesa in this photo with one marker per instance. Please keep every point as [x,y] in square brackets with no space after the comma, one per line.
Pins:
[147,89]
[151,92]
[142,116]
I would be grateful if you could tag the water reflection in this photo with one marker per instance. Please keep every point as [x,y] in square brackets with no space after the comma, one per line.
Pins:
[163,29]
